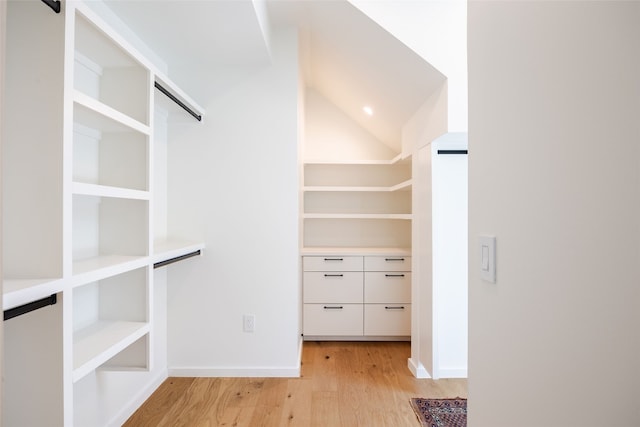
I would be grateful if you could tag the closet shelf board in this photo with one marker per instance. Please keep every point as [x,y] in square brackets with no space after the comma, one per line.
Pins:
[93,113]
[108,191]
[99,342]
[17,292]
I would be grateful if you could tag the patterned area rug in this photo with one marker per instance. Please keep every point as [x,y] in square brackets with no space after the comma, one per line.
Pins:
[441,412]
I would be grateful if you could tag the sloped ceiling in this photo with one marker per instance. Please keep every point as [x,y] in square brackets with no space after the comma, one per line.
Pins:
[347,57]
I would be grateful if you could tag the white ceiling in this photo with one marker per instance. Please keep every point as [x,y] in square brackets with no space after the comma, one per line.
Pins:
[347,58]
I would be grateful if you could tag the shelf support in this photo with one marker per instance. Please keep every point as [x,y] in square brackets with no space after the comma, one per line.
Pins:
[29,307]
[172,97]
[176,259]
[53,4]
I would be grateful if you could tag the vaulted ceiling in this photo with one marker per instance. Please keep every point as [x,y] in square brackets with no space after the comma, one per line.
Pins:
[347,58]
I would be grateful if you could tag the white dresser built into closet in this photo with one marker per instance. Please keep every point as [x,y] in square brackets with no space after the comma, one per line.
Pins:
[352,297]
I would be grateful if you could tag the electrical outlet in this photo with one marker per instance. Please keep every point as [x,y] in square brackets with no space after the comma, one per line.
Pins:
[248,322]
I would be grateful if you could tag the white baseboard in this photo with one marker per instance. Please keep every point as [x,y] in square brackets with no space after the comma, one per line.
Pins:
[452,372]
[417,369]
[259,372]
[240,372]
[138,400]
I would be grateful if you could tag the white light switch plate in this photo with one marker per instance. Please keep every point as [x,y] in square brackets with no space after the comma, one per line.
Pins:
[487,246]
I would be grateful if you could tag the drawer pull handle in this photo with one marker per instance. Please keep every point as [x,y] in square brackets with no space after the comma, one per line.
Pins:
[334,259]
[333,307]
[394,308]
[394,259]
[334,275]
[394,275]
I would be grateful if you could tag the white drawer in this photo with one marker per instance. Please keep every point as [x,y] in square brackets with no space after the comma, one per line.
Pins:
[387,263]
[391,287]
[331,286]
[332,319]
[387,319]
[332,263]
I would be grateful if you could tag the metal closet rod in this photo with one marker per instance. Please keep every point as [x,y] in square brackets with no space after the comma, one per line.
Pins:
[176,259]
[53,4]
[197,116]
[452,151]
[29,307]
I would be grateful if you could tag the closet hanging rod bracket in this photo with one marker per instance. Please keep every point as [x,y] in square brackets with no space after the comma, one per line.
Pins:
[172,97]
[53,4]
[29,307]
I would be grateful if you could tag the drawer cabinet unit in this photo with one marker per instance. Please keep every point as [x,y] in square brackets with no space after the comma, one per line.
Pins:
[387,319]
[332,263]
[387,263]
[356,297]
[387,287]
[333,287]
[335,320]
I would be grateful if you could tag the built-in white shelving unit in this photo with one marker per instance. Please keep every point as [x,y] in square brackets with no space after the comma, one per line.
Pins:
[356,250]
[354,204]
[78,206]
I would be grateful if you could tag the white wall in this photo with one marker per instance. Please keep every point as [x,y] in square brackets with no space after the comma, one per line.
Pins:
[436,31]
[332,135]
[554,174]
[233,182]
[3,25]
[449,239]
[427,123]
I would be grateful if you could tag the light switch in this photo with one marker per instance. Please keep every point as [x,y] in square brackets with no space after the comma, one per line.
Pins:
[485,258]
[488,258]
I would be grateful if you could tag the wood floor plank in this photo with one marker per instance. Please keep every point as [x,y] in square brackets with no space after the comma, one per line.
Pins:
[164,399]
[296,410]
[342,384]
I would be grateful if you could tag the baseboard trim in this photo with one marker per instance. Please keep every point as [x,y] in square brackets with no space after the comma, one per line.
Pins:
[453,372]
[417,369]
[259,372]
[137,401]
[355,338]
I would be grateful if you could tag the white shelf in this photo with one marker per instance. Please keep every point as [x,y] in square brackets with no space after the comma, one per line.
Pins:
[107,191]
[403,186]
[100,267]
[16,292]
[94,114]
[99,342]
[361,251]
[396,159]
[355,216]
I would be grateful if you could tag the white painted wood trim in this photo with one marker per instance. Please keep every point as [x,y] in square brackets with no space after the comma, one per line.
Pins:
[417,369]
[126,412]
[240,372]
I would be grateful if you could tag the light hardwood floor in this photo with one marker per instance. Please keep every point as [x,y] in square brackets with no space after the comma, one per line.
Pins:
[341,384]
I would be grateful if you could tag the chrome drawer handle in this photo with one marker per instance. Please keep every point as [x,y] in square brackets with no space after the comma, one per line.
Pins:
[394,275]
[394,308]
[334,259]
[329,307]
[334,275]
[394,259]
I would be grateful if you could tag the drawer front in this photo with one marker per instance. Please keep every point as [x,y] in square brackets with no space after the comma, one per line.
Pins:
[387,263]
[333,319]
[330,287]
[387,319]
[391,287]
[332,263]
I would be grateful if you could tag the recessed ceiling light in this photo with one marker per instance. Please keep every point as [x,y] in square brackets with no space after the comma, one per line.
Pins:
[368,110]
